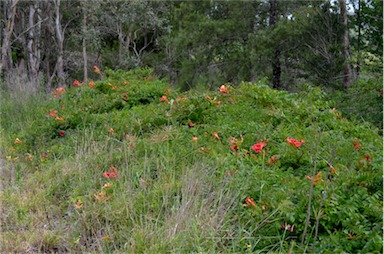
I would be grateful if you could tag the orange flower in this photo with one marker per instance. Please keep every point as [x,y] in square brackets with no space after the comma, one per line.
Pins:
[60,119]
[76,83]
[333,170]
[29,156]
[164,98]
[258,147]
[111,130]
[216,135]
[294,142]
[91,84]
[191,124]
[195,138]
[149,78]
[53,113]
[58,91]
[317,178]
[181,99]
[18,141]
[96,69]
[249,202]
[223,89]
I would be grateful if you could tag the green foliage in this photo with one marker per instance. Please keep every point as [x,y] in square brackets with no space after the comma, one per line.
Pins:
[363,101]
[163,171]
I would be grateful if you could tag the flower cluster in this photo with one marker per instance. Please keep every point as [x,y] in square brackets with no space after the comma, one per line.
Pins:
[294,142]
[112,173]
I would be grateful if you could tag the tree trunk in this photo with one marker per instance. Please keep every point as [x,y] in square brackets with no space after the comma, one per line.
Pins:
[358,40]
[60,45]
[6,53]
[276,65]
[85,59]
[33,45]
[347,67]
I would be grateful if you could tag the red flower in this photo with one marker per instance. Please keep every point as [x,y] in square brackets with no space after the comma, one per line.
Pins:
[91,84]
[76,83]
[367,158]
[61,133]
[112,173]
[249,202]
[53,113]
[258,147]
[191,124]
[294,142]
[356,144]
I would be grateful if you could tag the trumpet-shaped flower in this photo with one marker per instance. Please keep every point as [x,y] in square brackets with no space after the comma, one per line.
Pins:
[96,69]
[216,135]
[249,202]
[76,83]
[317,178]
[294,142]
[112,173]
[53,113]
[223,89]
[258,147]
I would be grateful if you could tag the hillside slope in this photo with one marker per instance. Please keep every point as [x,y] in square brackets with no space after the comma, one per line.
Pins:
[128,164]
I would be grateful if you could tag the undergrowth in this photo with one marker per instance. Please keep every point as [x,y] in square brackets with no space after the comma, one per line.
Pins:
[128,164]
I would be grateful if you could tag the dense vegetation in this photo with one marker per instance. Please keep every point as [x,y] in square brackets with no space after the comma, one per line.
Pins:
[204,127]
[127,163]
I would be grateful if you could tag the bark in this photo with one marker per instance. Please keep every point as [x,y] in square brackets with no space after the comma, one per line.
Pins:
[276,64]
[33,46]
[60,45]
[358,40]
[347,67]
[6,53]
[85,58]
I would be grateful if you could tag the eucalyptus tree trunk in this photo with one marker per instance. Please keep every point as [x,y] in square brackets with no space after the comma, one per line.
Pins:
[33,46]
[85,58]
[6,53]
[347,67]
[60,44]
[358,40]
